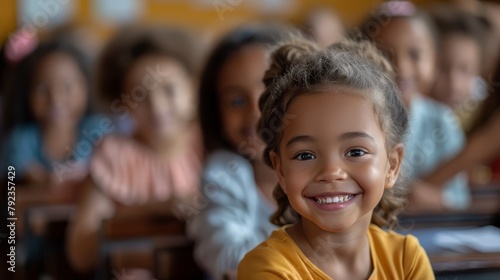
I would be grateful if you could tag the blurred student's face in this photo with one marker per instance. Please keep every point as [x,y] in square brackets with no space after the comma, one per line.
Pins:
[458,67]
[327,29]
[159,93]
[239,87]
[409,45]
[59,91]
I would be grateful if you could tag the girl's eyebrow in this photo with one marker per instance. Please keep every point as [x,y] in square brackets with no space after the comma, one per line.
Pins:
[232,89]
[356,134]
[343,137]
[300,138]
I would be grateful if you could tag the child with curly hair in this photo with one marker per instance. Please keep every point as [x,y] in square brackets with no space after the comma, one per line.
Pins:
[338,160]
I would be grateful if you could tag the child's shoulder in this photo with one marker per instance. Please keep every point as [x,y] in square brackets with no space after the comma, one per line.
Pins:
[392,241]
[26,136]
[224,156]
[97,122]
[21,145]
[117,150]
[427,109]
[226,161]
[278,255]
[274,246]
[398,256]
[24,130]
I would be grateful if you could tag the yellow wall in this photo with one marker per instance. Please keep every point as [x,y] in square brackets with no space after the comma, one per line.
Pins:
[7,18]
[207,18]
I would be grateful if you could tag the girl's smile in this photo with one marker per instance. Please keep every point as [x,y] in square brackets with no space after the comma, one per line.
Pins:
[333,202]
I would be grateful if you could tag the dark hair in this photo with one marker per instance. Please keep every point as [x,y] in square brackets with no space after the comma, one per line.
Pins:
[265,34]
[132,43]
[300,68]
[19,112]
[455,22]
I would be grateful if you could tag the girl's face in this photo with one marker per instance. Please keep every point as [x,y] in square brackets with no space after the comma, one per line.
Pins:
[59,91]
[459,65]
[409,45]
[332,161]
[160,96]
[239,88]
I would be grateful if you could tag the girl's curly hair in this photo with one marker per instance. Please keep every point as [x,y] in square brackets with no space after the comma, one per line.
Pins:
[301,67]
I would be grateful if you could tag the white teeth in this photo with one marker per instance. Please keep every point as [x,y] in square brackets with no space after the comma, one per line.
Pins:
[335,199]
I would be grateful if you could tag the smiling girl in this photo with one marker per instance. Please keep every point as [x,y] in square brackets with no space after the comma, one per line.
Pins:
[337,161]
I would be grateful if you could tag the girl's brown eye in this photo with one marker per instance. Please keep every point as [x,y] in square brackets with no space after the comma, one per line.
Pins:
[415,55]
[41,89]
[169,90]
[304,156]
[238,102]
[355,153]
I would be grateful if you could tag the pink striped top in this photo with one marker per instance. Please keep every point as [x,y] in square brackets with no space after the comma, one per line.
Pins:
[131,173]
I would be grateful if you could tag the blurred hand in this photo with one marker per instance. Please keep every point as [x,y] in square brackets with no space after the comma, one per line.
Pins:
[425,198]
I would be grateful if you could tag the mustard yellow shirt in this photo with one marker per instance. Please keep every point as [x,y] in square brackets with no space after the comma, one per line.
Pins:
[394,256]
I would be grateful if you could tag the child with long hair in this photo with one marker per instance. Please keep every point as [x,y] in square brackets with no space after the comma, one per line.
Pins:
[236,184]
[338,158]
[50,116]
[149,73]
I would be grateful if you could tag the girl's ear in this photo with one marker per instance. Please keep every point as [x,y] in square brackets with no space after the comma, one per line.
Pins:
[276,161]
[395,157]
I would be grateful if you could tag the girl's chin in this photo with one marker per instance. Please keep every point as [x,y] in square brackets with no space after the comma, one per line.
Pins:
[60,123]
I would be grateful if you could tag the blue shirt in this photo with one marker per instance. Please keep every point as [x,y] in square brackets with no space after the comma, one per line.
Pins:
[233,217]
[435,136]
[23,146]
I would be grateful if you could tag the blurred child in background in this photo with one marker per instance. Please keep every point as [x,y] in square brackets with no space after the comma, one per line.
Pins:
[236,183]
[458,82]
[483,146]
[407,37]
[149,73]
[52,131]
[324,26]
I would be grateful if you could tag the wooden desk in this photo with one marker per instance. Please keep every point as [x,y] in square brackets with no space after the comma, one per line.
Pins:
[453,261]
[29,197]
[174,259]
[43,213]
[156,243]
[484,210]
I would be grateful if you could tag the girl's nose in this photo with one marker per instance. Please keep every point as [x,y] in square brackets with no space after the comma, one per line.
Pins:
[159,102]
[253,112]
[331,170]
[57,94]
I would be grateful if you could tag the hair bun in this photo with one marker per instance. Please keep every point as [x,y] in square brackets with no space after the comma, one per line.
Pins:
[287,55]
[366,50]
